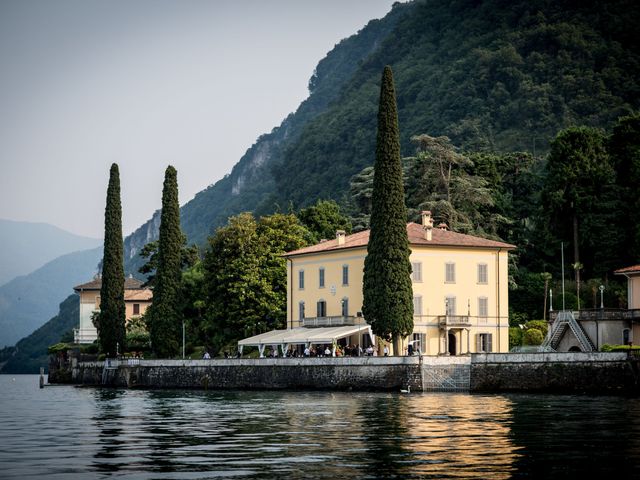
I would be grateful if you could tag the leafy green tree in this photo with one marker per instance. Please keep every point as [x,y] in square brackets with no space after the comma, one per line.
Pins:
[111,319]
[438,180]
[246,276]
[164,314]
[323,219]
[387,290]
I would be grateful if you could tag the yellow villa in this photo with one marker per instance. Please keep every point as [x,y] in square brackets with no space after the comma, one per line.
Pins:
[136,298]
[460,288]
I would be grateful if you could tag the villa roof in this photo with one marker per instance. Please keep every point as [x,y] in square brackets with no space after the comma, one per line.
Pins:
[96,284]
[623,271]
[415,232]
[144,295]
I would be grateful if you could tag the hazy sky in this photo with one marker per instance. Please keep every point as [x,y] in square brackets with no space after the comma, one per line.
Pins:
[145,84]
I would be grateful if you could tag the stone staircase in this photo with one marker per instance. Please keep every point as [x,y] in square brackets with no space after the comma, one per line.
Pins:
[565,320]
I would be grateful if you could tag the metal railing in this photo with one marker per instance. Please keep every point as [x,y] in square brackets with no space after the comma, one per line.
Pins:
[454,320]
[601,314]
[331,321]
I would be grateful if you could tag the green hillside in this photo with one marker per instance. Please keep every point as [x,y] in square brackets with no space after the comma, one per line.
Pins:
[494,76]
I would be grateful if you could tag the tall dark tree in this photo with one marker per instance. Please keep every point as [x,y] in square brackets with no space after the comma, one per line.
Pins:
[624,147]
[111,319]
[164,317]
[578,200]
[388,295]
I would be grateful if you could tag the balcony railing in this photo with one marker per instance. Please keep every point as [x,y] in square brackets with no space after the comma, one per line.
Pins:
[331,321]
[602,314]
[454,320]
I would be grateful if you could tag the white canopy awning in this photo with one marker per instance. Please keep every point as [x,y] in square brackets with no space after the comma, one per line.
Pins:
[304,335]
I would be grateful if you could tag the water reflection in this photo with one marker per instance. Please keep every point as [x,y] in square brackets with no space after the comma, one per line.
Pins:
[83,433]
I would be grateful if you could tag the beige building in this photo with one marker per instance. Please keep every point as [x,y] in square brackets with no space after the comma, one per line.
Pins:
[136,298]
[460,289]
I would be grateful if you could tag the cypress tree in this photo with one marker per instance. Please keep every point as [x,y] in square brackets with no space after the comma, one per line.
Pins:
[111,320]
[387,290]
[164,318]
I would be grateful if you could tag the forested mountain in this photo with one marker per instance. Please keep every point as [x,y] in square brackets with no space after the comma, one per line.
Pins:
[27,302]
[492,75]
[27,246]
[30,353]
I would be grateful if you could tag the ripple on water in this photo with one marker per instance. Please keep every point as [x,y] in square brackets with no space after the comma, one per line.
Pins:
[69,433]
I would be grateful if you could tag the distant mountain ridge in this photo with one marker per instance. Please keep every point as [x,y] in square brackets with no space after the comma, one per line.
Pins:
[30,353]
[26,246]
[27,302]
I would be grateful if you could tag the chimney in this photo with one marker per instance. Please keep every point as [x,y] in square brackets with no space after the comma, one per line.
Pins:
[340,236]
[427,224]
[443,226]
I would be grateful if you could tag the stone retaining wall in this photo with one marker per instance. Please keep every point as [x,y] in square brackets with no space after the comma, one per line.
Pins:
[556,373]
[549,372]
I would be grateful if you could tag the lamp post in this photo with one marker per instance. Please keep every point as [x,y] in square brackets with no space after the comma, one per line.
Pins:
[183,338]
[601,288]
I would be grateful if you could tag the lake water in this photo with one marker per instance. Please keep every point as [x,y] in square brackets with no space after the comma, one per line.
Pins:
[67,432]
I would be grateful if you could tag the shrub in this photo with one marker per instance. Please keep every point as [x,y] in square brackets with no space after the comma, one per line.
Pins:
[541,325]
[59,347]
[515,337]
[533,336]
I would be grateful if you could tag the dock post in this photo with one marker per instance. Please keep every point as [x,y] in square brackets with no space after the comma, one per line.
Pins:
[41,377]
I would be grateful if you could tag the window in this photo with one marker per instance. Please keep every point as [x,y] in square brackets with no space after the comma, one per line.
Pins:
[450,272]
[483,276]
[345,307]
[483,308]
[419,342]
[625,336]
[345,275]
[136,309]
[483,343]
[321,277]
[450,303]
[416,274]
[417,305]
[322,308]
[301,279]
[301,310]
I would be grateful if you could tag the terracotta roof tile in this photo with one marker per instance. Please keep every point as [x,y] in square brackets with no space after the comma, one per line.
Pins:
[415,232]
[634,269]
[96,284]
[144,295]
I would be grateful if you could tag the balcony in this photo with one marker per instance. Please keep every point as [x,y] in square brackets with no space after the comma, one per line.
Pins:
[454,320]
[311,322]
